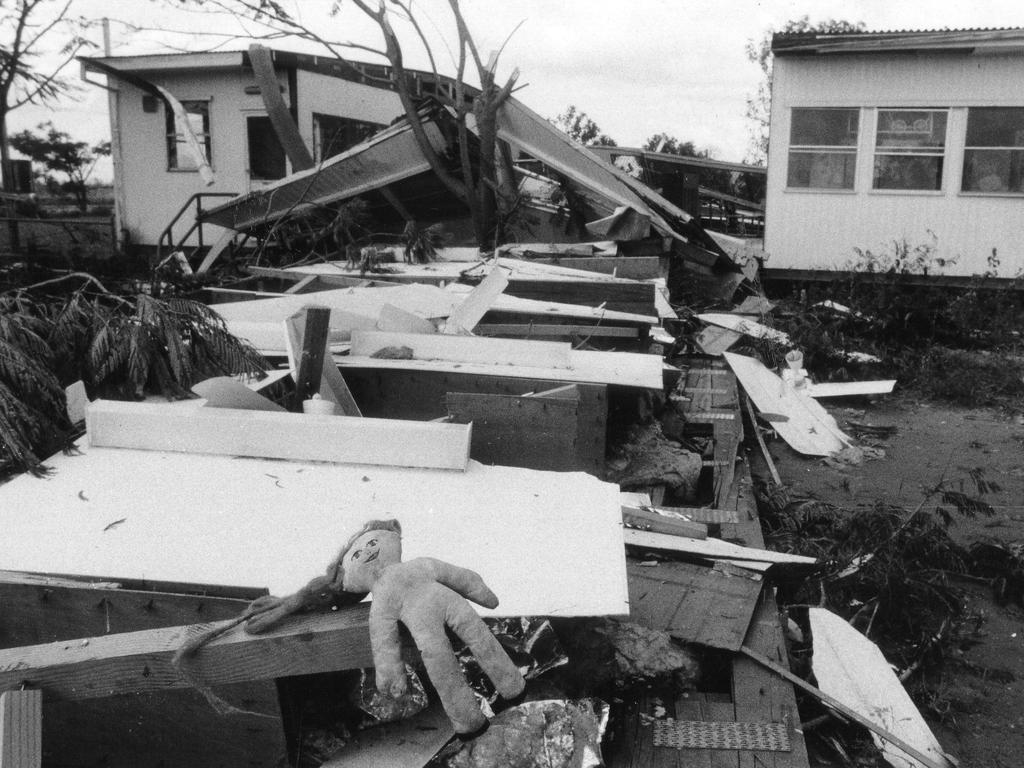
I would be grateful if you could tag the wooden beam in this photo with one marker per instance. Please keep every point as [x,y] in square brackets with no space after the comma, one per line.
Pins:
[135,662]
[21,729]
[536,329]
[332,384]
[646,520]
[303,283]
[274,435]
[309,366]
[472,309]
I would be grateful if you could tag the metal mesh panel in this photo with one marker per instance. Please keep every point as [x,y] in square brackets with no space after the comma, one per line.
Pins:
[695,734]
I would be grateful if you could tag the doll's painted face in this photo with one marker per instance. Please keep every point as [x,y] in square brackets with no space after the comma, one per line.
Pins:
[368,556]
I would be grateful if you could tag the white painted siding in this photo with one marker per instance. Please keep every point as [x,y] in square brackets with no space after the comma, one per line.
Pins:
[814,229]
[154,194]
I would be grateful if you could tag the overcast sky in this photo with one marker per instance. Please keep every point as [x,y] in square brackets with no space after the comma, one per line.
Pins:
[637,68]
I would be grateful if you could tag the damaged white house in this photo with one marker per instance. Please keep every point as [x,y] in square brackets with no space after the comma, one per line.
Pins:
[890,141]
[332,104]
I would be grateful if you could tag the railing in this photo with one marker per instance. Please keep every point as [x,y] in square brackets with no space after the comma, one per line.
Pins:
[166,241]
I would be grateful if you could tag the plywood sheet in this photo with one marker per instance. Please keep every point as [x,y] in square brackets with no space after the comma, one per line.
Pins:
[276,524]
[694,603]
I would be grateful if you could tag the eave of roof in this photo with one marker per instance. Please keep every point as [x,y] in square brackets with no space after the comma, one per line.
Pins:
[1000,40]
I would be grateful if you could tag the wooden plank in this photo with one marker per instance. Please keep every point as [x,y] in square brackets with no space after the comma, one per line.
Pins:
[473,308]
[629,267]
[716,549]
[268,434]
[310,363]
[621,297]
[465,349]
[335,280]
[709,708]
[566,329]
[694,603]
[21,729]
[332,384]
[302,284]
[850,388]
[624,369]
[136,662]
[131,730]
[761,696]
[648,520]
[536,432]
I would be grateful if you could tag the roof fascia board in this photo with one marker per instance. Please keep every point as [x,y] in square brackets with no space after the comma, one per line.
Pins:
[168,62]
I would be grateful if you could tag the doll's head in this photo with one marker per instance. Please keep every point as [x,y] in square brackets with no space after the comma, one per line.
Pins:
[375,546]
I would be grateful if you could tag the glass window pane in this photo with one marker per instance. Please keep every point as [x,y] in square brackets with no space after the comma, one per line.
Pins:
[821,170]
[824,127]
[907,172]
[993,170]
[995,127]
[911,130]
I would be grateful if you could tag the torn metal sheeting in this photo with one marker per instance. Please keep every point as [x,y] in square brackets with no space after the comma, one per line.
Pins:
[243,522]
[808,428]
[390,156]
[403,744]
[852,669]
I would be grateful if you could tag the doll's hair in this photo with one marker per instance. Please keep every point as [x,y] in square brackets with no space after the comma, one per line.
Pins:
[338,572]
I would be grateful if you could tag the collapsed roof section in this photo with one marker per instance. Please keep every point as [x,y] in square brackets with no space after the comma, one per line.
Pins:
[390,172]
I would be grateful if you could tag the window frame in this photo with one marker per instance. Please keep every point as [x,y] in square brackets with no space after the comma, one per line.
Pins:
[940,152]
[171,138]
[318,128]
[968,149]
[852,151]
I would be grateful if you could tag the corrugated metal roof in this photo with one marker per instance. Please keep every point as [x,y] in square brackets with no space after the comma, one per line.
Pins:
[864,41]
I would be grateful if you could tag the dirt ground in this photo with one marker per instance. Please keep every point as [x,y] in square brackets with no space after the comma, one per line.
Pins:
[982,692]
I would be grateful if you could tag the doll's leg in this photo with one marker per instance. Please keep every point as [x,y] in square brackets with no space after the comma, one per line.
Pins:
[446,675]
[496,664]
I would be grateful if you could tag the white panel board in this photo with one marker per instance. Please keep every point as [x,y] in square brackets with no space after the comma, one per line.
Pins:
[852,669]
[465,349]
[808,428]
[547,543]
[626,369]
[850,388]
[278,435]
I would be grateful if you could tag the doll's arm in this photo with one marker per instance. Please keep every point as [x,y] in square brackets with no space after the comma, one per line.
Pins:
[387,653]
[464,581]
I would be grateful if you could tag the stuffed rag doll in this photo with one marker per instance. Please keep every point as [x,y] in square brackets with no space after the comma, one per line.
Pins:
[426,595]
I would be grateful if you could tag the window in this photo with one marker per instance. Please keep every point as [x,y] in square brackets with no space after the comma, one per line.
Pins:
[823,148]
[333,135]
[266,155]
[909,148]
[994,151]
[179,157]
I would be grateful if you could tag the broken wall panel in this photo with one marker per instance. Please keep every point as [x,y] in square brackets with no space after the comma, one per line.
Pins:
[277,524]
[637,298]
[173,728]
[560,433]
